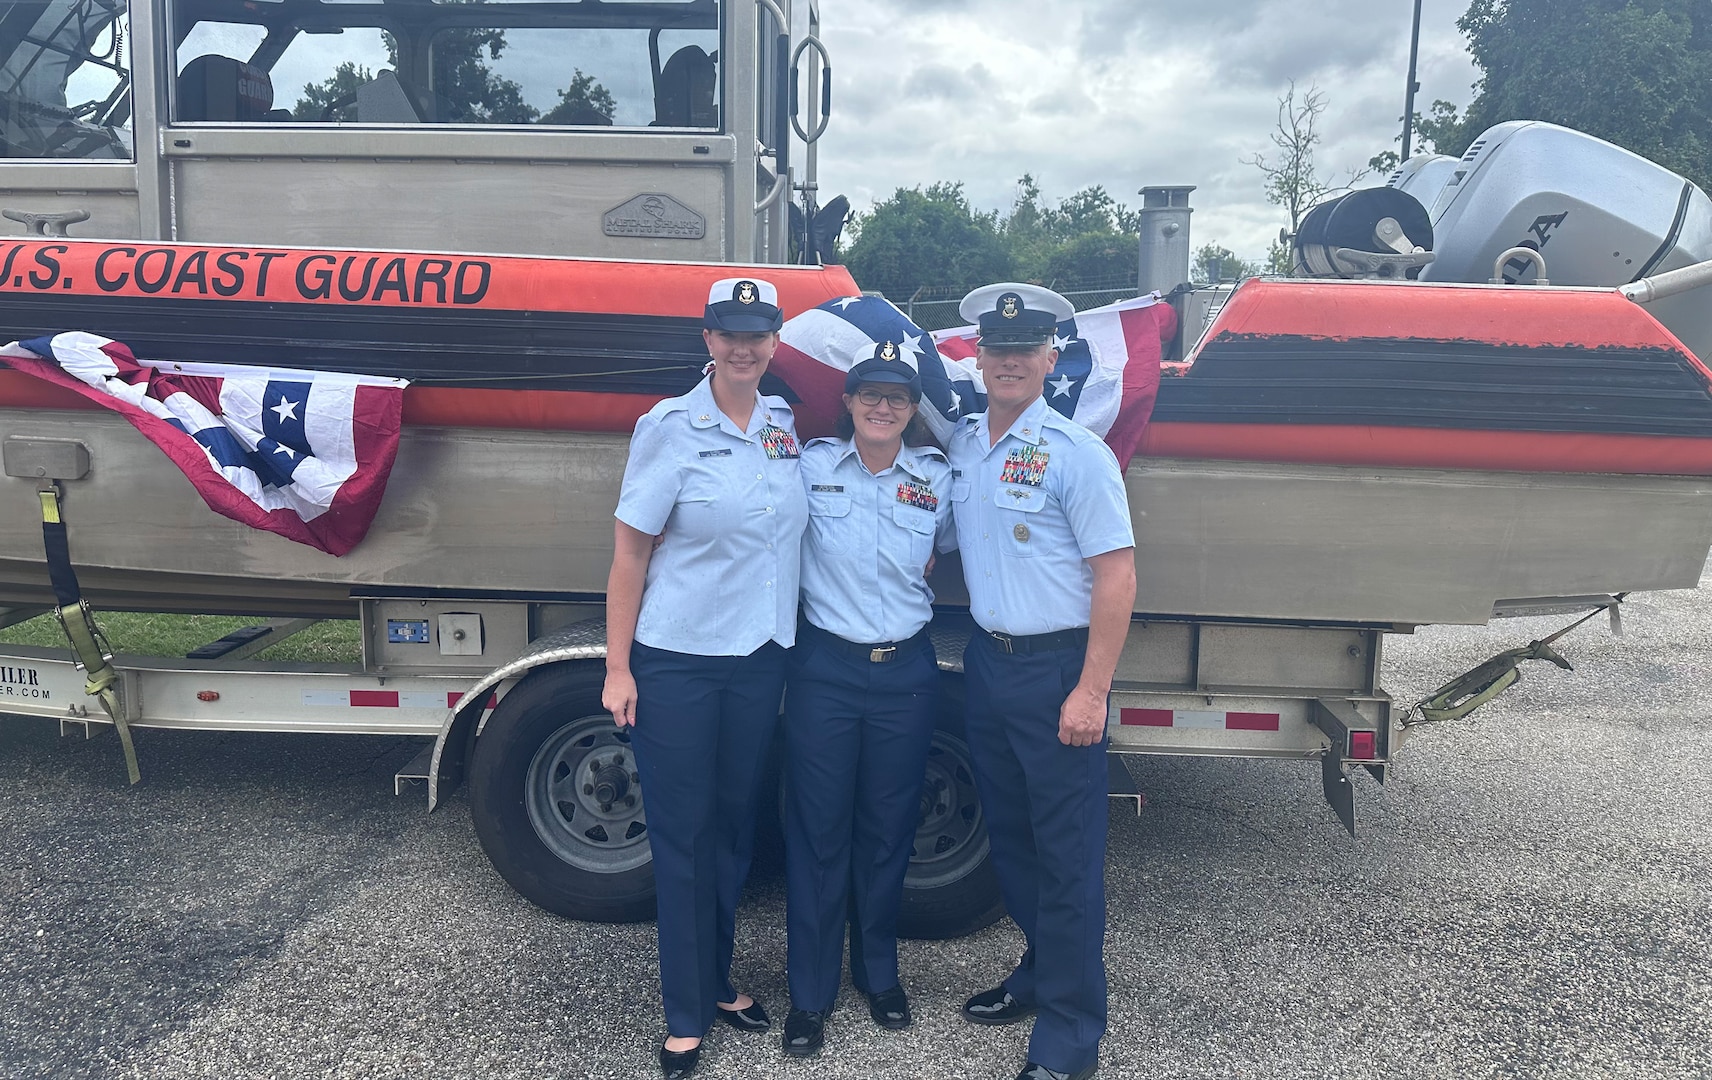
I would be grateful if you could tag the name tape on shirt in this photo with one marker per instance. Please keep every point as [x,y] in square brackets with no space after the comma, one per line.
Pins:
[723,452]
[915,493]
[1026,465]
[826,487]
[779,443]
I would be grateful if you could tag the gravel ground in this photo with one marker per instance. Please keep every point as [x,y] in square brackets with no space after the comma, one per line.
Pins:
[1529,897]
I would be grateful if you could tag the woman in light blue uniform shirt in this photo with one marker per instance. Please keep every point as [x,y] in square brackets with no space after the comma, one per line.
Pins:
[697,633]
[864,686]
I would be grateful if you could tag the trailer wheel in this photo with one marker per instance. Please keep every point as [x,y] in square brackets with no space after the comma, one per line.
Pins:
[556,802]
[950,889]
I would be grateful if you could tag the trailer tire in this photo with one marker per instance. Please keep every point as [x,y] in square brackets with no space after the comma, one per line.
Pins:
[951,889]
[555,801]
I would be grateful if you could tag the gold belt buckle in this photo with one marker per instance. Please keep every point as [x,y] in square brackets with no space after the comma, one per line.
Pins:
[881,656]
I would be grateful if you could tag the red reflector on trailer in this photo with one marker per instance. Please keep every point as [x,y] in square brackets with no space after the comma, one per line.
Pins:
[374,699]
[1251,721]
[1145,717]
[1362,745]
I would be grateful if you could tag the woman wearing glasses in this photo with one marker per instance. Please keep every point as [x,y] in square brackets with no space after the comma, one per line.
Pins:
[863,684]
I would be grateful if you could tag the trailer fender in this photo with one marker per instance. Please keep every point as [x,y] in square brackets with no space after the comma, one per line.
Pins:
[580,641]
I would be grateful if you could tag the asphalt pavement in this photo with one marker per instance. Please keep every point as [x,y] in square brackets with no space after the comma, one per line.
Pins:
[1529,896]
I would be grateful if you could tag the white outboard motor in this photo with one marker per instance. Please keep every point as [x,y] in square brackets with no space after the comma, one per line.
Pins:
[1423,176]
[1597,214]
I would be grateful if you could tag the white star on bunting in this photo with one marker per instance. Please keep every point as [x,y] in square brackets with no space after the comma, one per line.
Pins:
[1060,342]
[1061,387]
[287,410]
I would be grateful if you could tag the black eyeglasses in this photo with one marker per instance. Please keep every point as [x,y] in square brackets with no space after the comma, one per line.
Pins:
[898,400]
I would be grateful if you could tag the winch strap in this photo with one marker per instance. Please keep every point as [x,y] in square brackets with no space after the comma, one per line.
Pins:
[66,590]
[1467,692]
[78,622]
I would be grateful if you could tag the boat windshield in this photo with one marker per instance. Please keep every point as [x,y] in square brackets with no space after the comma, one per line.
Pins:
[640,64]
[65,79]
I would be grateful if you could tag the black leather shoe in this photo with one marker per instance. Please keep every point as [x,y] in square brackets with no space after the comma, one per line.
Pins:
[996,1007]
[751,1019]
[679,1064]
[805,1032]
[890,1009]
[1031,1071]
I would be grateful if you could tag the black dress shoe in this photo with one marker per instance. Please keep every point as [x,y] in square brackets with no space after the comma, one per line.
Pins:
[750,1019]
[890,1009]
[996,1007]
[1031,1071]
[679,1064]
[805,1032]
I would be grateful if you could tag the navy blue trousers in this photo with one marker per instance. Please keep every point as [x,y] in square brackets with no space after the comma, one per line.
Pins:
[1045,805]
[856,741]
[704,725]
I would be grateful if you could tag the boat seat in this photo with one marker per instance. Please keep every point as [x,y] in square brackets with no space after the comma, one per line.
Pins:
[219,88]
[386,100]
[684,95]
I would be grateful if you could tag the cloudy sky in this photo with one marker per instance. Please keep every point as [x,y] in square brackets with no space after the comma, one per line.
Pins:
[1121,93]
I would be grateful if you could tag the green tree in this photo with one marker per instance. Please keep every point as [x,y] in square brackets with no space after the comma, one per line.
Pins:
[1438,129]
[927,236]
[1637,73]
[342,84]
[467,90]
[1094,260]
[1215,263]
[583,102]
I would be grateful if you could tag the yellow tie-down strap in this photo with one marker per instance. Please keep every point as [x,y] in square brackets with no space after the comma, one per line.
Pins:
[88,646]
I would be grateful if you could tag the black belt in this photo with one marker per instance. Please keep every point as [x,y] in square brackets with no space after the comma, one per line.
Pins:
[1034,643]
[883,652]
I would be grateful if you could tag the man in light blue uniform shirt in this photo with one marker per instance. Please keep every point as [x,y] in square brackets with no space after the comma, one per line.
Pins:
[1048,556]
[863,695]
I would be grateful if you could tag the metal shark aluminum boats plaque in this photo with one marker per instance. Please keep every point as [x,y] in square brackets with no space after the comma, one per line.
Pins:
[652,214]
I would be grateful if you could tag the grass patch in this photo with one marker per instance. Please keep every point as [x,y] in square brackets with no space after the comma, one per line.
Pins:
[142,633]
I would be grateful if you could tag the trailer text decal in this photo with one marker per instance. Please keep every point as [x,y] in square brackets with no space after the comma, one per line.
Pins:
[21,682]
[254,274]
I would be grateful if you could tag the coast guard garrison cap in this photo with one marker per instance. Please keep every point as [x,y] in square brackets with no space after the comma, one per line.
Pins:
[743,306]
[888,364]
[1012,313]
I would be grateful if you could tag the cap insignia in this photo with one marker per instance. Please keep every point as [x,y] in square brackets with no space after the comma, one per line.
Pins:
[888,351]
[1010,305]
[745,292]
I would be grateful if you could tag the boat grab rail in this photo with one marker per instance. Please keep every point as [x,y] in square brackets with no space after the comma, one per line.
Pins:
[1668,284]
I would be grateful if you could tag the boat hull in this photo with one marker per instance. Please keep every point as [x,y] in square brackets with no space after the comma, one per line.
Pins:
[527,514]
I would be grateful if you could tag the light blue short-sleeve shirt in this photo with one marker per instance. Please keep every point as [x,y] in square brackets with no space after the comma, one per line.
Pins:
[730,501]
[869,538]
[1029,512]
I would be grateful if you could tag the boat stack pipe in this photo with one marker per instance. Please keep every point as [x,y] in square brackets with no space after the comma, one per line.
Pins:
[1668,284]
[1165,249]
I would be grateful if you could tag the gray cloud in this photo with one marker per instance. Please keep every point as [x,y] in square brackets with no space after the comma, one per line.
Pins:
[1118,93]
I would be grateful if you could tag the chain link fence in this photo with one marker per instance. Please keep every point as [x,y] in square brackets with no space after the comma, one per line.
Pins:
[934,307]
